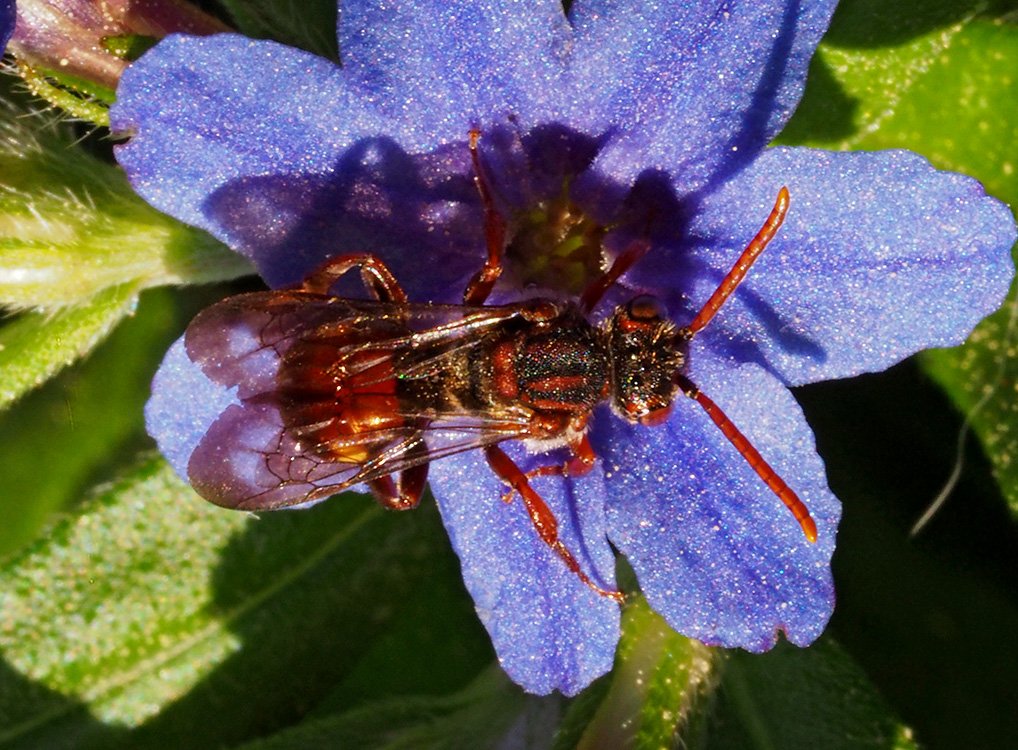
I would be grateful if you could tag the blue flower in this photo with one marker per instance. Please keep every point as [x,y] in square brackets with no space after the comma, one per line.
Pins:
[620,121]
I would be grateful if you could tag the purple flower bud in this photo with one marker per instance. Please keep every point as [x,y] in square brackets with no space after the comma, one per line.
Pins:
[73,37]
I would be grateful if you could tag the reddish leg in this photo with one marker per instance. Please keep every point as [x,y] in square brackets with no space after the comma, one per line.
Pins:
[581,462]
[540,515]
[404,494]
[595,289]
[377,277]
[481,284]
[753,457]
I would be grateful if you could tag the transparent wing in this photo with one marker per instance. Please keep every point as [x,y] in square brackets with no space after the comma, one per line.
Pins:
[239,341]
[250,460]
[317,409]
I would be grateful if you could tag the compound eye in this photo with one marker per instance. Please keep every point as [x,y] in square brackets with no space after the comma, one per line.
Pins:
[656,417]
[646,307]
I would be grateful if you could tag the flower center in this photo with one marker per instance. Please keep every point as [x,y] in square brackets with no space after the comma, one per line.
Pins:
[556,245]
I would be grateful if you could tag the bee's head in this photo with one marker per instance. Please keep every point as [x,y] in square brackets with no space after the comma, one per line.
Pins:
[646,351]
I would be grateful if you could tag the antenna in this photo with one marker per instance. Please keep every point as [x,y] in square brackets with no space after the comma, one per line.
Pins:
[756,246]
[721,295]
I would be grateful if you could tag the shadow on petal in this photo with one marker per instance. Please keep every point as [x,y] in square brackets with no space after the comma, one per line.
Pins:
[377,199]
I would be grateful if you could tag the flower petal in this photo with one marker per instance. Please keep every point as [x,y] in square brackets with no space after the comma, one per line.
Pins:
[184,404]
[715,551]
[440,67]
[880,256]
[292,180]
[696,89]
[204,110]
[550,631]
[7,19]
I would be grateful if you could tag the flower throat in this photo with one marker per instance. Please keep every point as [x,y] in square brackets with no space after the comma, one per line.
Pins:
[556,245]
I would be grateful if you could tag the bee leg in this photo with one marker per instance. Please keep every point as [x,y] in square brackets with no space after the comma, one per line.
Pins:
[377,277]
[402,490]
[541,516]
[581,462]
[494,234]
[404,493]
[627,258]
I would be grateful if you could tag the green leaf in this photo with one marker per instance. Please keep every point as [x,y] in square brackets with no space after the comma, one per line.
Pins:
[155,619]
[801,698]
[977,133]
[477,717]
[962,112]
[77,97]
[308,25]
[980,379]
[934,77]
[950,94]
[668,690]
[35,346]
[76,247]
[402,659]
[128,46]
[60,439]
[71,226]
[930,619]
[88,613]
[872,57]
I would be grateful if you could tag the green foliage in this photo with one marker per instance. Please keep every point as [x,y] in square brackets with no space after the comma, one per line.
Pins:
[477,716]
[308,25]
[78,98]
[37,345]
[128,46]
[792,698]
[658,685]
[71,227]
[980,378]
[59,439]
[153,619]
[77,245]
[669,691]
[931,618]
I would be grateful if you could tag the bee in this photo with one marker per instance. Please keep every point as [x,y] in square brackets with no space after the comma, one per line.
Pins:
[335,392]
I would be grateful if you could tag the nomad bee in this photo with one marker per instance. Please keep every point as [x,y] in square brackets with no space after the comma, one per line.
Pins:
[335,392]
